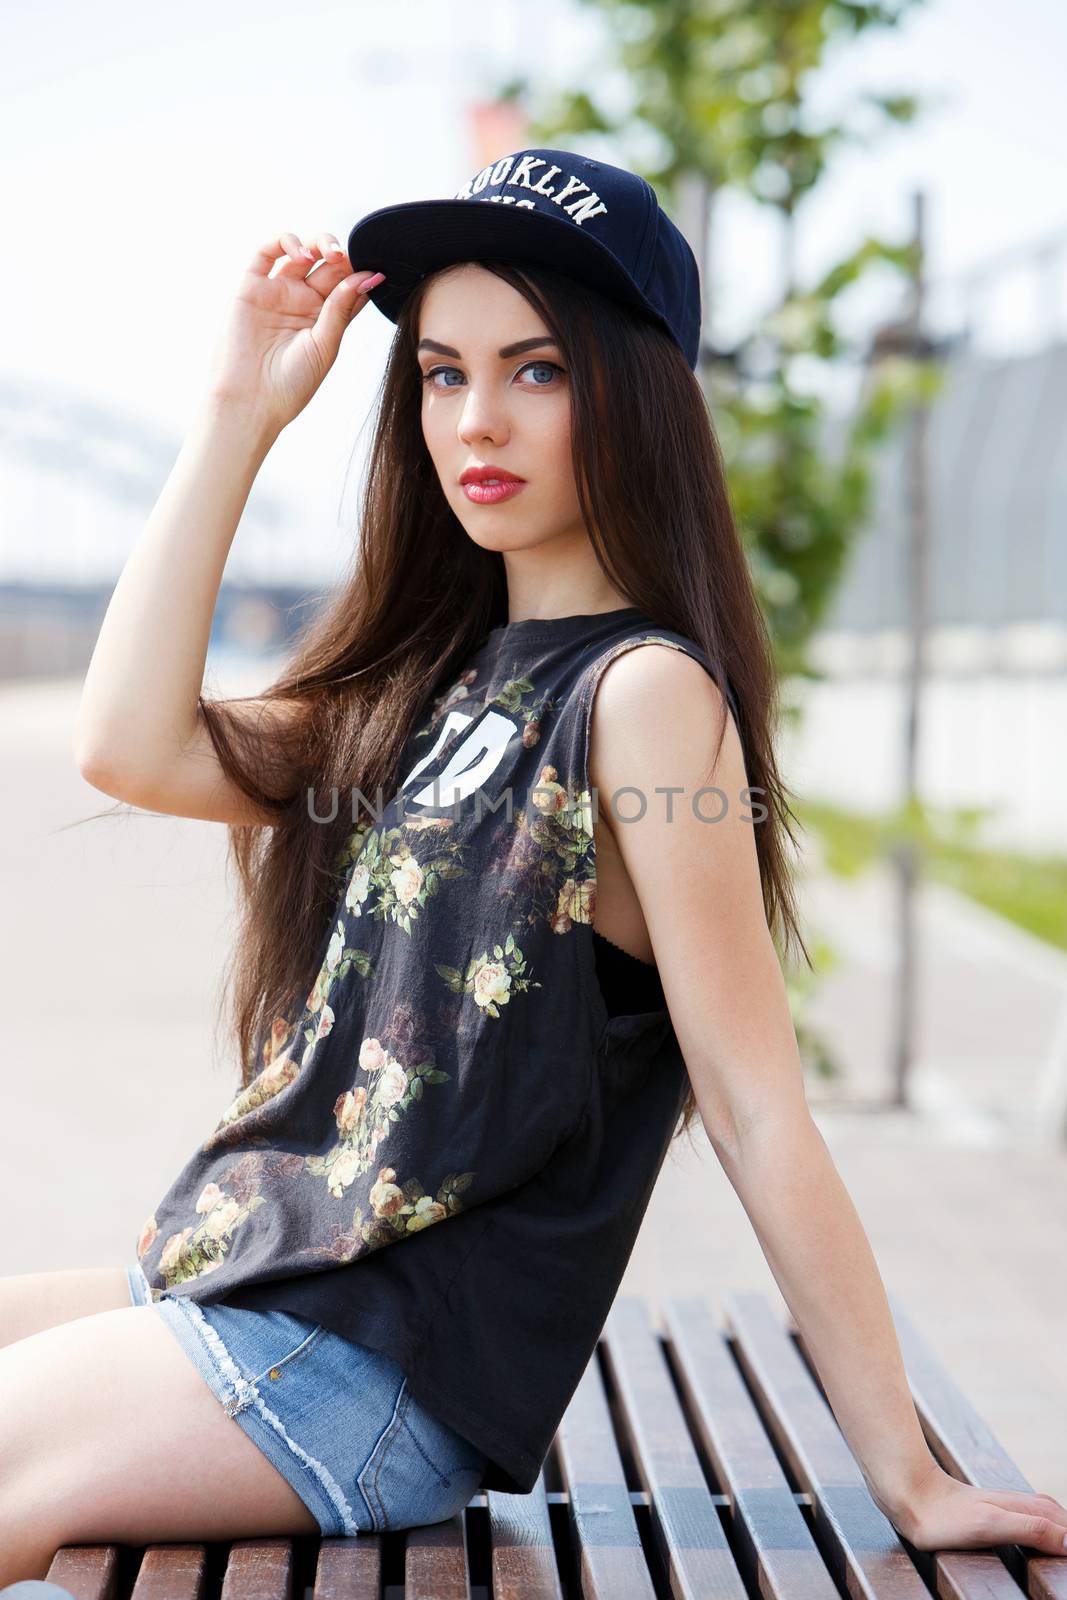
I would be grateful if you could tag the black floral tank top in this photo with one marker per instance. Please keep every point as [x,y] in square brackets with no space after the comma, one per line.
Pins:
[448,1151]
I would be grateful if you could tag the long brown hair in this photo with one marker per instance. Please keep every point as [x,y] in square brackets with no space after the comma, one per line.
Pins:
[418,596]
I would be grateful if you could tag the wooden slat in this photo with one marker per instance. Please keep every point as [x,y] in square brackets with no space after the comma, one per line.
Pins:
[968,1448]
[610,1554]
[259,1569]
[862,1545]
[685,1523]
[730,1422]
[524,1557]
[89,1571]
[777,1553]
[435,1561]
[349,1569]
[171,1572]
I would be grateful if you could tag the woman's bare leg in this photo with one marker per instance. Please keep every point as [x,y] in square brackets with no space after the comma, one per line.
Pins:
[33,1301]
[108,1433]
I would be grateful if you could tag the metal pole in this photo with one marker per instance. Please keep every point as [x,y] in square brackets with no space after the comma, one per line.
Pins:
[694,191]
[918,605]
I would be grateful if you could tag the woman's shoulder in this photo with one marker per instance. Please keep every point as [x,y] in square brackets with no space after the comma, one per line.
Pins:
[663,674]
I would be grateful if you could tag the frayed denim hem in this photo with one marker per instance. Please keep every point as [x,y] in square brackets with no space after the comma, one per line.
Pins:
[242,1400]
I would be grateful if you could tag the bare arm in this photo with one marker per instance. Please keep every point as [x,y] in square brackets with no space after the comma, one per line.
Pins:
[140,735]
[654,721]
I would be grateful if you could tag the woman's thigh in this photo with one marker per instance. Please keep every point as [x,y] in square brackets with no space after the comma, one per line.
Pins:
[108,1430]
[33,1301]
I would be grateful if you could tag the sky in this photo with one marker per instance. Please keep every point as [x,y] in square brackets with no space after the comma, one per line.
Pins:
[145,153]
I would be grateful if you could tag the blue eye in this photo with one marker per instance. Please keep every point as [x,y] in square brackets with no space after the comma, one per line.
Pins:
[552,366]
[429,376]
[548,365]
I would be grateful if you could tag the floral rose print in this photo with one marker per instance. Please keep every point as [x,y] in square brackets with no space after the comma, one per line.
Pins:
[512,696]
[358,888]
[396,1210]
[353,845]
[459,690]
[366,1113]
[282,1068]
[417,823]
[407,1209]
[406,878]
[548,868]
[317,1008]
[276,1040]
[576,903]
[148,1236]
[390,881]
[340,959]
[195,1250]
[491,983]
[547,874]
[224,1205]
[271,1081]
[562,827]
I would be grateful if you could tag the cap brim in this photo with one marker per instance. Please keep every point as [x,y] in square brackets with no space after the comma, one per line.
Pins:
[411,240]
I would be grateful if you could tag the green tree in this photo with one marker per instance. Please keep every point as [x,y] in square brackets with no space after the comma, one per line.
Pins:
[721,89]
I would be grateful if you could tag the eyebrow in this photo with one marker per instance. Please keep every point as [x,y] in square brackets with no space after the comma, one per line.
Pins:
[508,350]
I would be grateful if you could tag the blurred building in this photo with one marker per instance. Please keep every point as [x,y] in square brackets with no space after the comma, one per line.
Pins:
[77,482]
[993,728]
[998,519]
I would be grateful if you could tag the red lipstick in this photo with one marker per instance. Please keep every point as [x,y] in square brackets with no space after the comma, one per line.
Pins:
[487,485]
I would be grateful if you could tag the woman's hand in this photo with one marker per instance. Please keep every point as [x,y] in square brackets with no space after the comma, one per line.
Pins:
[285,330]
[945,1514]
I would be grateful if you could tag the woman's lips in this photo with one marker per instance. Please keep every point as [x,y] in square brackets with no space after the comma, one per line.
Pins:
[487,494]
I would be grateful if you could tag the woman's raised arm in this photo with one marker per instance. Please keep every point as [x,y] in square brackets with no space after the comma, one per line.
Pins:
[140,735]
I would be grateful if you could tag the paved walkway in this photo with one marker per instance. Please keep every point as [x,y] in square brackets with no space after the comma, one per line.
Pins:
[117,932]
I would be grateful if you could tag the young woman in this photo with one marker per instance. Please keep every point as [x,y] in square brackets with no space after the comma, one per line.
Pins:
[511,842]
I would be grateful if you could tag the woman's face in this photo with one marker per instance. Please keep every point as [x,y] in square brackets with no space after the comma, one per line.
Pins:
[487,404]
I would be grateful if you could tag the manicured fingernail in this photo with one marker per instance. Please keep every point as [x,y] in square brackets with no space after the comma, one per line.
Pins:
[369,283]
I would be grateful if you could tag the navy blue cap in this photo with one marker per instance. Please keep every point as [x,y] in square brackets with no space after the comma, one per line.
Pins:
[596,222]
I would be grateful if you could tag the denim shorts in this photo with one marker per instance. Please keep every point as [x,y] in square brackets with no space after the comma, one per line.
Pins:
[336,1418]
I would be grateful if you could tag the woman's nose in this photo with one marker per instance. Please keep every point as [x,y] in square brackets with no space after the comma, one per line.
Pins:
[482,417]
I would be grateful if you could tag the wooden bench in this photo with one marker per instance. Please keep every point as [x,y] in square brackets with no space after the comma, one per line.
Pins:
[695,1459]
